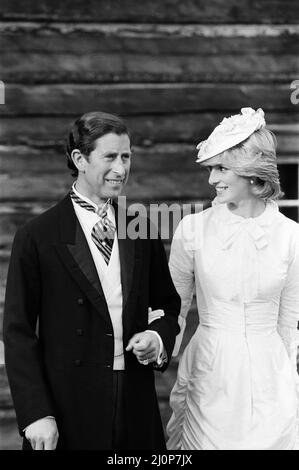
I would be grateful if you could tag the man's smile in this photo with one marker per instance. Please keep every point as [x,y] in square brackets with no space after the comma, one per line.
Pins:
[114,181]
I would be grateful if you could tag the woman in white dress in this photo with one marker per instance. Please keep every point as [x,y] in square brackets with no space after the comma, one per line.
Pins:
[237,378]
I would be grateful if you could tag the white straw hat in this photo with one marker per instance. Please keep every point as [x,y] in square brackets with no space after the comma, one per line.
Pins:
[230,132]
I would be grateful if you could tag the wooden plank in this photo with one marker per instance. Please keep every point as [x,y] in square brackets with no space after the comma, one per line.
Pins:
[159,158]
[57,33]
[133,99]
[147,129]
[136,53]
[134,68]
[156,11]
[140,186]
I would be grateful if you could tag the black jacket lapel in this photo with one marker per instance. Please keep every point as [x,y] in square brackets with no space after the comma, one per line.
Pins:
[126,251]
[75,254]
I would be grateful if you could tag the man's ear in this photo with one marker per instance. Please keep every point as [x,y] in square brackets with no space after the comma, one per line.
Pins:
[79,160]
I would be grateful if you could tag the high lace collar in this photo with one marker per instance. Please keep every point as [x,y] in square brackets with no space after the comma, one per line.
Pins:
[223,213]
[232,224]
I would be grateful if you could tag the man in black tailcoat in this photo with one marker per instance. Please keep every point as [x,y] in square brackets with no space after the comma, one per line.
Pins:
[89,314]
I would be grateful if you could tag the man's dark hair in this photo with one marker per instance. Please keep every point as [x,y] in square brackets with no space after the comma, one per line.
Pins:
[87,129]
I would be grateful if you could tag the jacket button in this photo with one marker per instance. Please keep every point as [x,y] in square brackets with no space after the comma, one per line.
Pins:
[80,301]
[78,362]
[79,332]
[108,366]
[108,334]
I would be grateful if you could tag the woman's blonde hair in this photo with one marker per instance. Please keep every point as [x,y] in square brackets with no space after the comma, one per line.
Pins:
[255,158]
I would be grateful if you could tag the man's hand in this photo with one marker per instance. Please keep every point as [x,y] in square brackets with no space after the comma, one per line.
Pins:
[42,434]
[145,346]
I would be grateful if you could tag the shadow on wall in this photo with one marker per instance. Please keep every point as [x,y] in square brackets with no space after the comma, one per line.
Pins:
[9,436]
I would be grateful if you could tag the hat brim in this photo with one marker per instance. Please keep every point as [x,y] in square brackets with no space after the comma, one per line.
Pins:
[227,143]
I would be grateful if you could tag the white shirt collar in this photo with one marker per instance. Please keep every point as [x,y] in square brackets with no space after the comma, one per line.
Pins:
[110,209]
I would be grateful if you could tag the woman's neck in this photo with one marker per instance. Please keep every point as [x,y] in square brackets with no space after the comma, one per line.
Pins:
[248,207]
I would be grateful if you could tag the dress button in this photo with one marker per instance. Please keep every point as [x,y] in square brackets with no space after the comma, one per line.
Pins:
[78,362]
[80,301]
[79,332]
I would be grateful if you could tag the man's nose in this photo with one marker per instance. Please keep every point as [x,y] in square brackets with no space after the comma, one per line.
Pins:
[118,166]
[214,177]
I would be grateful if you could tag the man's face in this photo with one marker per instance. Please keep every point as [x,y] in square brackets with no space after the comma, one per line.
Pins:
[108,166]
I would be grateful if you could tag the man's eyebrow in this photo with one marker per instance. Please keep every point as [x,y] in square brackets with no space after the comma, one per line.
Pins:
[109,153]
[106,154]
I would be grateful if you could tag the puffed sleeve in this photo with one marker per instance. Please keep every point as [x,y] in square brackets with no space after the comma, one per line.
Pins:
[289,308]
[181,265]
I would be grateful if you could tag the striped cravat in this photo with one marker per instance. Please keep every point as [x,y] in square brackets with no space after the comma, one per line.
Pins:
[103,231]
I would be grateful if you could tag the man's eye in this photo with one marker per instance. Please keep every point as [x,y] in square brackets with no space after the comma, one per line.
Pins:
[222,168]
[126,156]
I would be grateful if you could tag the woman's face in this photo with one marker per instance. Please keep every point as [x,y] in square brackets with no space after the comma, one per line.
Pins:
[230,188]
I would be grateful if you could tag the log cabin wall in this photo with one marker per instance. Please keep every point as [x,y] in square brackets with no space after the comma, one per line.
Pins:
[171,68]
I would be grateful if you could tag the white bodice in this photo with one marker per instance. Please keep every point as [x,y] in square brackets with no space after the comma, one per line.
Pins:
[245,271]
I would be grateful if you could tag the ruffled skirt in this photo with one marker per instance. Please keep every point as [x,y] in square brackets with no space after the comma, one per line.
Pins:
[233,392]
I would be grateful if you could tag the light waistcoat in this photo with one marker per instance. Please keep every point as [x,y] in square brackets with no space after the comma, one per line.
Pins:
[109,276]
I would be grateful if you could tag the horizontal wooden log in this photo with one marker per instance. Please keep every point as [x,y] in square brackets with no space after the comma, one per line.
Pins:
[156,175]
[148,129]
[156,11]
[134,68]
[158,172]
[136,99]
[160,158]
[139,187]
[151,53]
[57,33]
